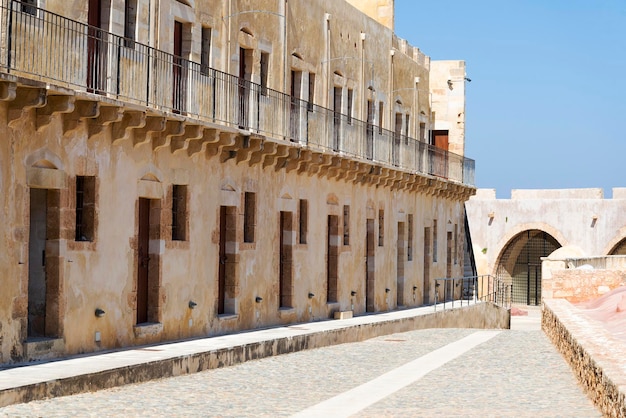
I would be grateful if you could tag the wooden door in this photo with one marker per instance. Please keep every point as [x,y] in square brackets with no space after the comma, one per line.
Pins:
[370,284]
[37,289]
[177,68]
[440,139]
[94,46]
[427,261]
[143,258]
[440,164]
[221,281]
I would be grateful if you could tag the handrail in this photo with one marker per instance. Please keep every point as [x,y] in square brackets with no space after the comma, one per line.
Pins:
[472,289]
[45,46]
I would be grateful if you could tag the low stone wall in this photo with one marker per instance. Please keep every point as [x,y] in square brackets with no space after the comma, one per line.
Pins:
[298,337]
[580,285]
[596,357]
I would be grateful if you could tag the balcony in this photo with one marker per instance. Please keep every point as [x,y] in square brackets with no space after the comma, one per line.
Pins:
[38,45]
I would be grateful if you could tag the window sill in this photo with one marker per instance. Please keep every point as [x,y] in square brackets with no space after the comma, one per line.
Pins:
[226,317]
[148,329]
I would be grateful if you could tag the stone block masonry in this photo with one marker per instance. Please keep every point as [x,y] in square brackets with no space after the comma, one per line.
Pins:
[597,359]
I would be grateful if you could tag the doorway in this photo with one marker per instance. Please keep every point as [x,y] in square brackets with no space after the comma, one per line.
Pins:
[226,281]
[370,282]
[148,261]
[179,76]
[96,48]
[401,256]
[427,261]
[332,263]
[37,286]
[286,260]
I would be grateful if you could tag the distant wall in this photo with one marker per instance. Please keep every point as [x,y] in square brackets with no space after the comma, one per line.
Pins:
[582,279]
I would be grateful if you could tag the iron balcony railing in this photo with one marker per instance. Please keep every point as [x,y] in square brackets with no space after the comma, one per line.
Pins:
[45,46]
[473,289]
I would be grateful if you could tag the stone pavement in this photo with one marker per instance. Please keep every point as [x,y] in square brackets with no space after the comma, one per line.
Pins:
[448,372]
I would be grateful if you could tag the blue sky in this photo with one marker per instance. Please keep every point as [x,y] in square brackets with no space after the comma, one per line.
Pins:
[546,107]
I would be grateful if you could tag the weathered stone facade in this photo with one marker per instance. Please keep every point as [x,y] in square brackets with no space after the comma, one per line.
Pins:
[275,169]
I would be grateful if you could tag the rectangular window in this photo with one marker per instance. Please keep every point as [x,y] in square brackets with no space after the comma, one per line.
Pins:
[311,92]
[130,22]
[423,132]
[29,7]
[304,220]
[380,118]
[346,225]
[409,243]
[456,243]
[349,110]
[435,241]
[332,261]
[249,216]
[381,227]
[205,51]
[407,119]
[85,208]
[179,212]
[265,59]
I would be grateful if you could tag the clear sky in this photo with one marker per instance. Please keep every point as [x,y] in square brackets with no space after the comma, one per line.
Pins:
[546,107]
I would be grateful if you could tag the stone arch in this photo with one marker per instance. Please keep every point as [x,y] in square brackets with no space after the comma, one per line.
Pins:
[150,173]
[617,245]
[519,263]
[516,230]
[44,158]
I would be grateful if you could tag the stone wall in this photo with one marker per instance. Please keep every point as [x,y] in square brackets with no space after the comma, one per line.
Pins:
[594,355]
[580,285]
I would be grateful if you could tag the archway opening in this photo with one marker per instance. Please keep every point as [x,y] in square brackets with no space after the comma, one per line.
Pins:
[520,264]
[620,248]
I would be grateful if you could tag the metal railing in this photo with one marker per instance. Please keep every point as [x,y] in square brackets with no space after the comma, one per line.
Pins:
[473,289]
[45,46]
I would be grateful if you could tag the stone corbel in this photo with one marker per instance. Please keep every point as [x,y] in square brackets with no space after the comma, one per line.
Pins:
[107,115]
[131,120]
[198,146]
[226,139]
[254,147]
[163,139]
[281,151]
[181,143]
[333,161]
[25,99]
[54,105]
[8,90]
[83,109]
[152,125]
[317,160]
[267,148]
[291,158]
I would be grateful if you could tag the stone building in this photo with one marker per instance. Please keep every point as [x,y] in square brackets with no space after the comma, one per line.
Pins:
[512,237]
[175,169]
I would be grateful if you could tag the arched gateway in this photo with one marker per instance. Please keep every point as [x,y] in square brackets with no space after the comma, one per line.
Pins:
[520,264]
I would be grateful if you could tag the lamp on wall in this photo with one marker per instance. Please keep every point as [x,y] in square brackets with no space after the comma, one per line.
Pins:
[192,304]
[258,299]
[311,295]
[353,293]
[99,312]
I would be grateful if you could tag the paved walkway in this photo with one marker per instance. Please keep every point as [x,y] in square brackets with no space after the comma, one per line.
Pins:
[450,372]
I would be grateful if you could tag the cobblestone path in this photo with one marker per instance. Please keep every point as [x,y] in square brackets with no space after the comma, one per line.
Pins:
[516,373]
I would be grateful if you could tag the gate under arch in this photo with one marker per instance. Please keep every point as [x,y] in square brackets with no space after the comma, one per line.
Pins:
[520,264]
[620,248]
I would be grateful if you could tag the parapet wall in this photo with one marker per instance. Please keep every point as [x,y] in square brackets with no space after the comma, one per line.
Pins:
[597,359]
[581,279]
[233,349]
